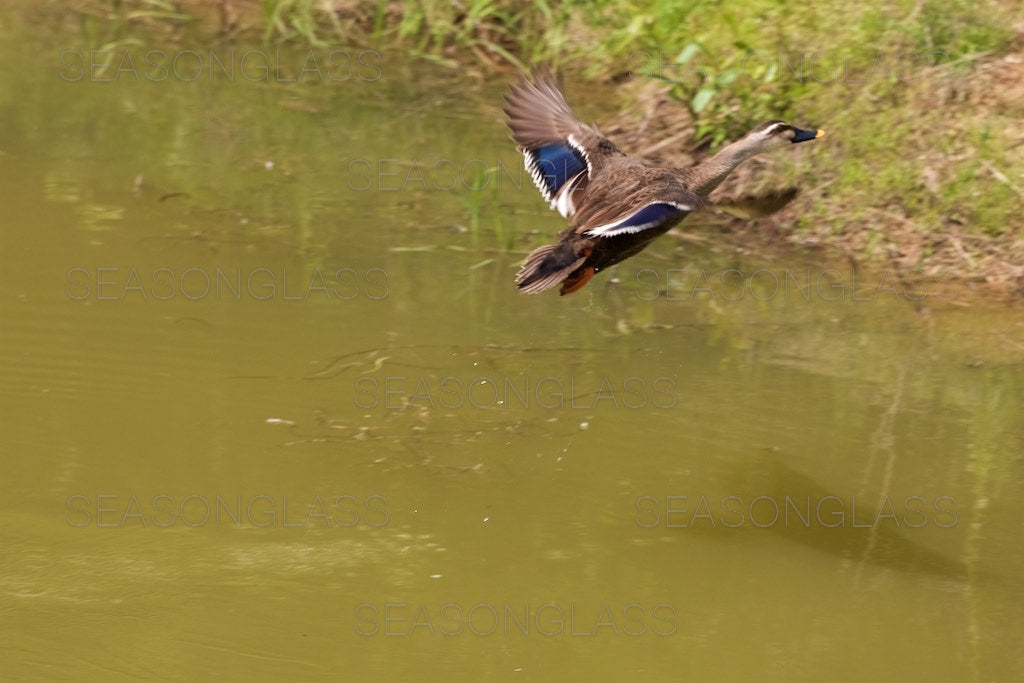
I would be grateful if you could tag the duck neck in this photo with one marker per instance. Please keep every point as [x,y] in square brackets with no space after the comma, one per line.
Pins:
[716,169]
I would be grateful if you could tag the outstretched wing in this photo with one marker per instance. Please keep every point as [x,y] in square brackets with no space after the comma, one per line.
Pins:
[554,143]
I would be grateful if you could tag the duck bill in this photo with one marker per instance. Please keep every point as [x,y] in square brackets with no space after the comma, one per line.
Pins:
[805,135]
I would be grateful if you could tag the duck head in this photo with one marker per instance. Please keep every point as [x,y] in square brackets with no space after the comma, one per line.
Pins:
[772,134]
[762,138]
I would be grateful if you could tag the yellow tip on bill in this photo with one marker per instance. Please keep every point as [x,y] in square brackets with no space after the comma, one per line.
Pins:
[819,134]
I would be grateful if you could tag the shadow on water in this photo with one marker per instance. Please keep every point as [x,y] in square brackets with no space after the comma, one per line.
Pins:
[863,531]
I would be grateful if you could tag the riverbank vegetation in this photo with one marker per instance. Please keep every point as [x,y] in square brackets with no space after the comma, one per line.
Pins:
[923,101]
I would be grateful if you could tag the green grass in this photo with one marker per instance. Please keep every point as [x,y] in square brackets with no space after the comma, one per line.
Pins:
[479,193]
[288,19]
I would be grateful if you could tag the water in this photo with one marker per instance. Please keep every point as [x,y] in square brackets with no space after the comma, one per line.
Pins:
[271,404]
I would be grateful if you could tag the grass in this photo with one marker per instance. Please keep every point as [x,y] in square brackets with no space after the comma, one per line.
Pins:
[482,191]
[922,142]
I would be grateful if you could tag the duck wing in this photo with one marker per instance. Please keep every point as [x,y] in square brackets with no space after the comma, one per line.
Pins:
[561,154]
[630,198]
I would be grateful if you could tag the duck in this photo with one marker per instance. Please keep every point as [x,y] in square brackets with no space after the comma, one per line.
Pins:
[616,205]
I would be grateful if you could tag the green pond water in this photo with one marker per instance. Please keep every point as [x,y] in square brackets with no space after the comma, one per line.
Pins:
[272,407]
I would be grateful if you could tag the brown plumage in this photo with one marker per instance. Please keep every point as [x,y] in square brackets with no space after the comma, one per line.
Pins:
[616,205]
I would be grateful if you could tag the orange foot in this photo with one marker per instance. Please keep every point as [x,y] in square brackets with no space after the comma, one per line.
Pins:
[577,280]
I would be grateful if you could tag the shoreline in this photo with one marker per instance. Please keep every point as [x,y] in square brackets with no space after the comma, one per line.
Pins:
[945,202]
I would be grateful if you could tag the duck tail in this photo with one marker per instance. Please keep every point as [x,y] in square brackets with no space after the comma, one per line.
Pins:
[547,266]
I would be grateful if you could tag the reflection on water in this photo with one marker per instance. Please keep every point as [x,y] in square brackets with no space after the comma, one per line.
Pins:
[273,404]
